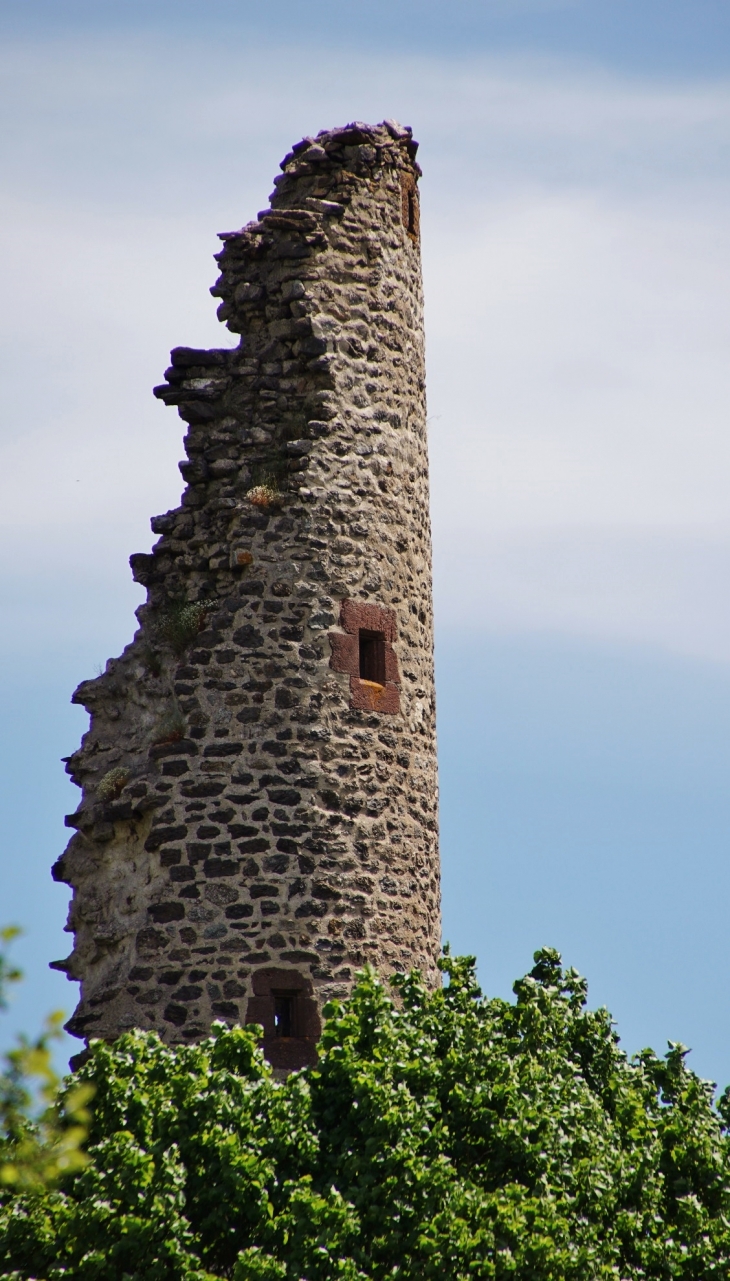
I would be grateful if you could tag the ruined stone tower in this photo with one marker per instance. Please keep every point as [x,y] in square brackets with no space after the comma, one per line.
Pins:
[259,812]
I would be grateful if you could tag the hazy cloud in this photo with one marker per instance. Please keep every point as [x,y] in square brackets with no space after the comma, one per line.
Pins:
[577,261]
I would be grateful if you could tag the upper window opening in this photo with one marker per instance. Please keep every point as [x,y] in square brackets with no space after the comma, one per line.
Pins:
[372,657]
[284,1013]
[409,203]
[412,224]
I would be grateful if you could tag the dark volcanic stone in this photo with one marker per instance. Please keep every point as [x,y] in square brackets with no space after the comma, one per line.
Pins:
[163,912]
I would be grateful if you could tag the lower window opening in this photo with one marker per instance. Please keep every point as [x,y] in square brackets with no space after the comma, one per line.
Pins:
[284,1013]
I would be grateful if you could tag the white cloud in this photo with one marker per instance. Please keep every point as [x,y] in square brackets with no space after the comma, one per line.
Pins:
[579,366]
[577,260]
[658,588]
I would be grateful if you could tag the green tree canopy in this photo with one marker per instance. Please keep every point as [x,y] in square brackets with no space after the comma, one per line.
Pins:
[42,1129]
[440,1135]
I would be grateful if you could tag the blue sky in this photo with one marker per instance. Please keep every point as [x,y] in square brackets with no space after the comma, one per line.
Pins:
[577,265]
[648,35]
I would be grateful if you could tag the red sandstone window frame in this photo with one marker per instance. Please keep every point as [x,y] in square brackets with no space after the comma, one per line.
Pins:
[361,621]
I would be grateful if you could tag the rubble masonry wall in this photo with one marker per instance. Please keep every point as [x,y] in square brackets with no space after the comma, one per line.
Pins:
[259,811]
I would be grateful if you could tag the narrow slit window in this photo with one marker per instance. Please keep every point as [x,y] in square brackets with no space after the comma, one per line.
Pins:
[372,657]
[412,212]
[284,1013]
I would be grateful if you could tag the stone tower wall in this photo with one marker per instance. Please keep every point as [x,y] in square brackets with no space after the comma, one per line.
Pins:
[259,812]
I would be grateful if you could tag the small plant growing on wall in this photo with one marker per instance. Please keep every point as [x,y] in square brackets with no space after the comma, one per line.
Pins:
[170,728]
[113,782]
[179,624]
[266,493]
[266,488]
[152,661]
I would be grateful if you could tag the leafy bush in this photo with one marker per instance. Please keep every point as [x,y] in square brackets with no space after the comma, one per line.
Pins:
[41,1134]
[441,1136]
